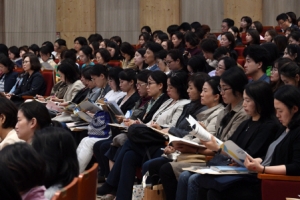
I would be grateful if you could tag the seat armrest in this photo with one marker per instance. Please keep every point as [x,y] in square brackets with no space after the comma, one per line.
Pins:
[278,177]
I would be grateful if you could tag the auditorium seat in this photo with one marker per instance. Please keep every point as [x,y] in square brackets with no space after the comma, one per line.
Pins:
[241,61]
[239,51]
[70,192]
[278,29]
[265,28]
[115,63]
[87,183]
[49,76]
[278,187]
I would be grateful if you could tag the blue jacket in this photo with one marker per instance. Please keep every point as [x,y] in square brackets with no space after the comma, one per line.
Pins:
[9,80]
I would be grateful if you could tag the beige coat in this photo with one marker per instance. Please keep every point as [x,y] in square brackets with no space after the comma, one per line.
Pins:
[73,90]
[11,138]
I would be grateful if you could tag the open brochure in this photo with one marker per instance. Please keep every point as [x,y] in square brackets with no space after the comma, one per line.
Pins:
[54,107]
[199,131]
[215,170]
[112,107]
[234,151]
[176,140]
[84,106]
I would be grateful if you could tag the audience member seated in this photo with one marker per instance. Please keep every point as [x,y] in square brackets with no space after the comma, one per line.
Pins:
[245,24]
[151,55]
[14,55]
[103,57]
[32,116]
[99,74]
[281,42]
[4,50]
[253,135]
[290,74]
[228,41]
[94,46]
[103,43]
[225,26]
[8,77]
[198,64]
[46,59]
[161,37]
[270,35]
[27,169]
[86,55]
[256,25]
[161,61]
[195,26]
[252,37]
[115,94]
[35,49]
[32,83]
[69,73]
[57,149]
[127,51]
[175,62]
[139,59]
[224,64]
[116,39]
[184,28]
[191,43]
[57,45]
[8,122]
[275,78]
[167,45]
[208,47]
[294,38]
[284,23]
[256,63]
[146,29]
[292,51]
[144,38]
[79,42]
[23,49]
[114,50]
[178,41]
[236,33]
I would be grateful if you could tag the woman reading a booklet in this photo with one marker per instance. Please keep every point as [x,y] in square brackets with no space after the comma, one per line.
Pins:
[122,175]
[253,136]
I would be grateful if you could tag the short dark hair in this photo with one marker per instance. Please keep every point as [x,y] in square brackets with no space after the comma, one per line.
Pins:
[255,36]
[49,45]
[228,62]
[198,79]
[196,26]
[104,54]
[10,111]
[258,54]
[21,48]
[162,36]
[229,22]
[127,48]
[235,77]
[176,54]
[34,109]
[191,38]
[34,61]
[8,188]
[35,48]
[293,50]
[147,28]
[98,69]
[281,42]
[170,44]
[128,75]
[68,54]
[214,83]
[294,35]
[290,70]
[14,50]
[87,50]
[105,41]
[70,70]
[221,52]
[143,75]
[27,167]
[4,49]
[45,50]
[282,16]
[57,148]
[61,42]
[116,39]
[272,50]
[293,17]
[160,77]
[172,29]
[6,62]
[185,26]
[197,64]
[86,72]
[289,96]
[280,62]
[230,38]
[248,20]
[264,104]
[95,38]
[179,81]
[272,33]
[154,47]
[146,36]
[113,74]
[115,46]
[180,36]
[81,40]
[95,45]
[209,45]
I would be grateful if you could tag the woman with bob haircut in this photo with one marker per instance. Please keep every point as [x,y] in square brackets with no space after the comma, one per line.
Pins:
[103,56]
[14,55]
[86,55]
[198,64]
[114,50]
[253,135]
[57,148]
[139,59]
[290,74]
[151,55]
[78,43]
[245,24]
[127,51]
[33,82]
[8,120]
[132,153]
[144,38]
[8,77]
[69,74]
[275,77]
[32,116]
[224,64]
[27,169]
[270,35]
[191,43]
[178,41]
[292,51]
[252,37]
[175,62]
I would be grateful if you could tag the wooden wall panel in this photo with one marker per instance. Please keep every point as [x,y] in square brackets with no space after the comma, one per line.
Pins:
[75,18]
[115,17]
[236,9]
[28,22]
[159,14]
[272,8]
